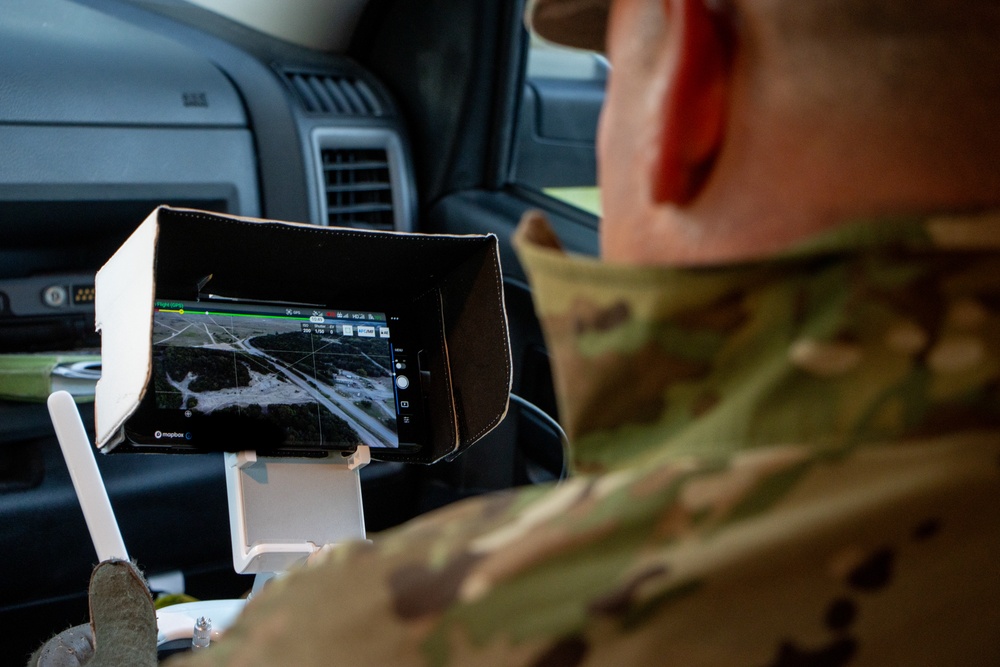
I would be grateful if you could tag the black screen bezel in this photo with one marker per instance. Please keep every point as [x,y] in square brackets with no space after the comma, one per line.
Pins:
[226,433]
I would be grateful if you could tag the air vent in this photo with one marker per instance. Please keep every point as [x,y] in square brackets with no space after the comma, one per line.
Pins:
[358,187]
[335,95]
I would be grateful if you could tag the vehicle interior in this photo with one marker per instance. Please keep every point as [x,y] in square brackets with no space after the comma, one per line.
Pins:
[435,116]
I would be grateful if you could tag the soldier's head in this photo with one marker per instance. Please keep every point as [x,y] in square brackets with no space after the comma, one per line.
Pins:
[733,128]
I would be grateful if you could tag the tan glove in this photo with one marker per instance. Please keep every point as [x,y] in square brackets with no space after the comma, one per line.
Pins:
[122,629]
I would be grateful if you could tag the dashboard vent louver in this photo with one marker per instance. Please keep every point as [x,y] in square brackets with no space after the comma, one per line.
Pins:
[358,188]
[334,94]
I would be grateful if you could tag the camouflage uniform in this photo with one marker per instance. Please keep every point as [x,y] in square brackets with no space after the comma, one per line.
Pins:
[788,462]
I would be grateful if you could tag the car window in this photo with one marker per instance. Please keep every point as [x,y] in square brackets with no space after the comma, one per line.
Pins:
[554,150]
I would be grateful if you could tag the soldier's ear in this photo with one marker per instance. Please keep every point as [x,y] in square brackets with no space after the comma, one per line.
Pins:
[694,105]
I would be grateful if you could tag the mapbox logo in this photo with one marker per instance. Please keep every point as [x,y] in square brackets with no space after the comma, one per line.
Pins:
[172,436]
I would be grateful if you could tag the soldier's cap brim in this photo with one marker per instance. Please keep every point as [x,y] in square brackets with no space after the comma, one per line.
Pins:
[581,24]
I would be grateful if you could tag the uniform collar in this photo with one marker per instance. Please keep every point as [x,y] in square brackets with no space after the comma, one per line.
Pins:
[872,331]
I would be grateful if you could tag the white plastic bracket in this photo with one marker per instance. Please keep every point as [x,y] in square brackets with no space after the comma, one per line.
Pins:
[245,459]
[282,510]
[361,457]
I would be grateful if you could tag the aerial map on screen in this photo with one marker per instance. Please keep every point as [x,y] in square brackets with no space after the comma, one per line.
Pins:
[324,376]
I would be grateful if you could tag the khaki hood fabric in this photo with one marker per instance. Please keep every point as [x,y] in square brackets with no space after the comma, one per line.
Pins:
[789,462]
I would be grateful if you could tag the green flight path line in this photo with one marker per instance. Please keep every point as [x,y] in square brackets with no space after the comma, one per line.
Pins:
[210,312]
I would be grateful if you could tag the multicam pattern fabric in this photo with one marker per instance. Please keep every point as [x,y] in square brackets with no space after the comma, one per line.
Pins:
[789,462]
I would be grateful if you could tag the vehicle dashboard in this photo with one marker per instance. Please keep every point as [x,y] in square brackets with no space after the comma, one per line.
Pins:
[109,108]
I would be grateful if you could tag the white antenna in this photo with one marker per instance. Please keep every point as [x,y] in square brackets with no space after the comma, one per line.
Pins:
[86,477]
